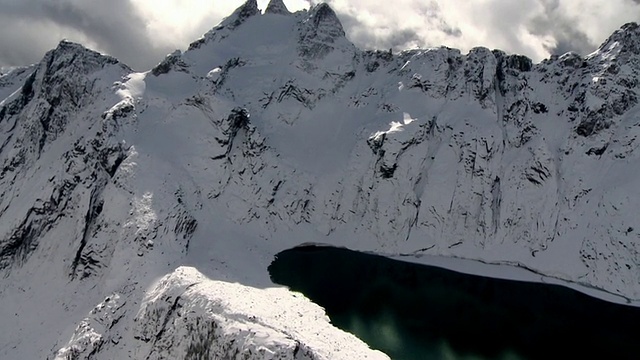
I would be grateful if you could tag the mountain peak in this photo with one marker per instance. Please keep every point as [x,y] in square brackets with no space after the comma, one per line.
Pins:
[69,47]
[323,13]
[66,46]
[245,11]
[237,18]
[321,33]
[68,53]
[277,7]
[325,21]
[622,43]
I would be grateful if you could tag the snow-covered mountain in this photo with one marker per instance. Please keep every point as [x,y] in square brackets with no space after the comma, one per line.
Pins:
[274,130]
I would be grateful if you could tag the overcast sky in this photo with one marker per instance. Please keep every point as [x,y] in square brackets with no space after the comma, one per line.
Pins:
[141,32]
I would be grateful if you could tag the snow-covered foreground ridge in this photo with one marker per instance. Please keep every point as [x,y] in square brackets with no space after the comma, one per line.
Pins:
[187,316]
[274,130]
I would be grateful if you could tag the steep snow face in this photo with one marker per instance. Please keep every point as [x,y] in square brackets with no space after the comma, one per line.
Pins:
[274,130]
[10,82]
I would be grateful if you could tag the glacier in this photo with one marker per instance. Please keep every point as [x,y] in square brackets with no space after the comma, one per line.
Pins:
[126,196]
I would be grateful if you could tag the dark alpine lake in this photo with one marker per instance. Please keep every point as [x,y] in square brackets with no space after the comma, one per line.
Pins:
[412,311]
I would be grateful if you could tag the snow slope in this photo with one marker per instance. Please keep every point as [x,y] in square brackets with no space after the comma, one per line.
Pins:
[219,320]
[273,130]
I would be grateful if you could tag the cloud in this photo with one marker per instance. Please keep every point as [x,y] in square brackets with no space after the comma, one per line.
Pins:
[141,32]
[138,32]
[28,28]
[560,26]
[581,25]
[536,28]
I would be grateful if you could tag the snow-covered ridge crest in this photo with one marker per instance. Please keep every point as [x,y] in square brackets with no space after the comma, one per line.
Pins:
[622,43]
[273,131]
[248,9]
[236,19]
[320,19]
[188,316]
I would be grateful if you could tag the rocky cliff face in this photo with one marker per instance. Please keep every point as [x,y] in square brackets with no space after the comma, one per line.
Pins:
[273,130]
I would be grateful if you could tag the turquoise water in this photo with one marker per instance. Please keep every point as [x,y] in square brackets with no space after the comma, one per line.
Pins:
[412,311]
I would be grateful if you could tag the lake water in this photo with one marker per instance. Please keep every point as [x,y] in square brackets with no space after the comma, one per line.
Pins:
[412,311]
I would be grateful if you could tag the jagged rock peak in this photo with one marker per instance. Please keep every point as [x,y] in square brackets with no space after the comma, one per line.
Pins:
[324,13]
[82,59]
[627,33]
[277,7]
[247,10]
[323,17]
[173,61]
[66,47]
[513,61]
[231,22]
[624,41]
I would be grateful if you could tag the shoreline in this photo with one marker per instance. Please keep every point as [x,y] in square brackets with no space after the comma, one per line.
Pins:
[506,271]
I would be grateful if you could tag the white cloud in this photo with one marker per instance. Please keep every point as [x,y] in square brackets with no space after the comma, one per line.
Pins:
[510,25]
[141,32]
[179,22]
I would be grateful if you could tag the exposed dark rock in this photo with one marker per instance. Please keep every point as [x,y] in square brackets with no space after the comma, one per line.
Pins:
[375,144]
[324,16]
[23,240]
[539,108]
[239,119]
[305,97]
[538,173]
[598,151]
[171,62]
[320,32]
[185,225]
[197,44]
[387,171]
[249,9]
[86,260]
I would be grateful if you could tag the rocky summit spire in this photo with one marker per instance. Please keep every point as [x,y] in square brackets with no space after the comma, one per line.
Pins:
[321,33]
[228,24]
[277,7]
[247,10]
[622,43]
[73,55]
[325,20]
